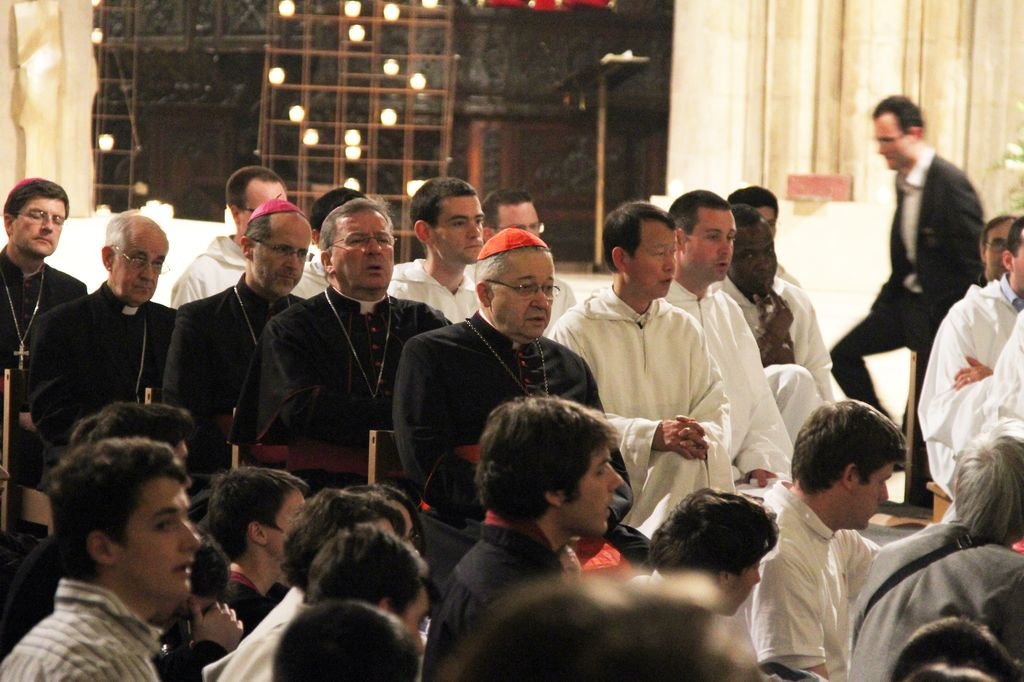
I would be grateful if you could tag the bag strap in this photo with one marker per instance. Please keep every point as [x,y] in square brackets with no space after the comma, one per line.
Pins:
[965,541]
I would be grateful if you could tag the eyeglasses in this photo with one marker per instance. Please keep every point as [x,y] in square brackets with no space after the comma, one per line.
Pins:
[283,250]
[361,240]
[532,227]
[38,216]
[996,244]
[140,263]
[530,290]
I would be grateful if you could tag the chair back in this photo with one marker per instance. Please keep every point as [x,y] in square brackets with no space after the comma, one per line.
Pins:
[384,461]
[22,457]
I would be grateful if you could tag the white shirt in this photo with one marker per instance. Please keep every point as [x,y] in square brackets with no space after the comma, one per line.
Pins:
[411,281]
[809,348]
[978,325]
[799,614]
[912,185]
[759,437]
[648,368]
[254,657]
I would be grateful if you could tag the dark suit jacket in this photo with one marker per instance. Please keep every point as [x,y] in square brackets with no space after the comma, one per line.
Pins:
[948,230]
[77,368]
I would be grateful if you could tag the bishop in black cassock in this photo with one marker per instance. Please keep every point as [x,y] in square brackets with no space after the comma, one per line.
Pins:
[110,345]
[451,379]
[34,215]
[214,338]
[323,374]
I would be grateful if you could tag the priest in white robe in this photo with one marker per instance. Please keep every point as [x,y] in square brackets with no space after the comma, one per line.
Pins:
[795,359]
[662,390]
[959,376]
[761,447]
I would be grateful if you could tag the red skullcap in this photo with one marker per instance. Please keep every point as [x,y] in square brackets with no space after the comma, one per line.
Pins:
[508,239]
[272,206]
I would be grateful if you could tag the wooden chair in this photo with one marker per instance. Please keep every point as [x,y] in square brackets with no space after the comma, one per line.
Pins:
[22,458]
[940,501]
[912,460]
[384,460]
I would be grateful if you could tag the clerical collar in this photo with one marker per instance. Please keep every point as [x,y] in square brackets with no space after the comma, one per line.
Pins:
[365,307]
[115,303]
[1009,294]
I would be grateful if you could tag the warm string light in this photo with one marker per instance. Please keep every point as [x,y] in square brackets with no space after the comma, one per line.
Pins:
[353,138]
[353,183]
[97,36]
[311,137]
[391,12]
[286,8]
[105,142]
[353,8]
[276,75]
[356,33]
[388,117]
[296,113]
[417,81]
[391,67]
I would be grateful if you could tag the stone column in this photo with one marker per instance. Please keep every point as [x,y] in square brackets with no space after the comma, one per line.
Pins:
[993,118]
[716,128]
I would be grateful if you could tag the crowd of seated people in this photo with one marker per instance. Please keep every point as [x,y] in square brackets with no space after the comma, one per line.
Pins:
[652,483]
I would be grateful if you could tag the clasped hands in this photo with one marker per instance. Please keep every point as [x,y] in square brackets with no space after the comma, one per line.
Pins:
[683,436]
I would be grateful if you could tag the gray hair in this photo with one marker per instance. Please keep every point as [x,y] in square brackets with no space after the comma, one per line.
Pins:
[495,266]
[330,226]
[258,230]
[120,224]
[989,490]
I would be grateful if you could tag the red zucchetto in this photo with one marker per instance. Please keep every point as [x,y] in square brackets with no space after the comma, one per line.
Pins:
[272,206]
[509,239]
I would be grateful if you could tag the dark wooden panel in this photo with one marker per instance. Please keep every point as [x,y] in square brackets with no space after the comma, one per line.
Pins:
[189,152]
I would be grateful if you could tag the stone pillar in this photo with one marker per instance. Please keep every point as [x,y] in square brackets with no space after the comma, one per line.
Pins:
[716,128]
[993,118]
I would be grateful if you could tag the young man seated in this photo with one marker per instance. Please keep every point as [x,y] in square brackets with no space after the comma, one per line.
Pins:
[322,517]
[799,614]
[545,477]
[722,534]
[120,518]
[251,512]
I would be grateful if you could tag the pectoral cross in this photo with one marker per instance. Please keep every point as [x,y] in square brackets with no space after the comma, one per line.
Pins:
[22,354]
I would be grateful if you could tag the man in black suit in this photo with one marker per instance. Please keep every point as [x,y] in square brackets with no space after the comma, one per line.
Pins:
[933,248]
[107,346]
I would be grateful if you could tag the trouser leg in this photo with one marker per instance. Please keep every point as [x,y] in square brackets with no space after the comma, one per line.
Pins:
[882,330]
